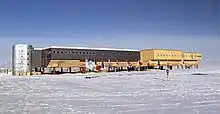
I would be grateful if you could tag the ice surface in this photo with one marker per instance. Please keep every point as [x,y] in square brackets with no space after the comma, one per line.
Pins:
[145,92]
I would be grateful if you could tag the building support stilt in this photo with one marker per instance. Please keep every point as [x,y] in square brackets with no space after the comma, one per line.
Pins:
[54,70]
[42,70]
[61,69]
[70,70]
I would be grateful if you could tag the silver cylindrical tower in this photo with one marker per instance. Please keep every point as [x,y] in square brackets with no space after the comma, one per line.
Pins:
[22,59]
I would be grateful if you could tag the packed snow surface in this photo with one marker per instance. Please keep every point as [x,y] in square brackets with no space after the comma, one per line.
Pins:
[146,92]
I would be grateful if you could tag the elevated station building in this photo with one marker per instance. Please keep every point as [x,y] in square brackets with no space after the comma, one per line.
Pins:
[57,57]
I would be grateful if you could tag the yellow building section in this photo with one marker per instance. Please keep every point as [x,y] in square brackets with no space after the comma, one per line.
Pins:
[160,54]
[165,57]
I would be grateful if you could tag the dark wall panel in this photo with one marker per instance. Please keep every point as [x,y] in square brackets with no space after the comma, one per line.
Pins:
[36,58]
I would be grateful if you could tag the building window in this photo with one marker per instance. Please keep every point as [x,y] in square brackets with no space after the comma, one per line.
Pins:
[90,53]
[61,51]
[54,52]
[76,52]
[83,52]
[28,64]
[94,53]
[87,53]
[69,52]
[58,52]
[80,52]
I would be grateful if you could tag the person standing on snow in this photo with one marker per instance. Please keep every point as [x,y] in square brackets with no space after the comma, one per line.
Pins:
[167,71]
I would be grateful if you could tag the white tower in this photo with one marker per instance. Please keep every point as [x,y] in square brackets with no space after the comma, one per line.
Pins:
[22,59]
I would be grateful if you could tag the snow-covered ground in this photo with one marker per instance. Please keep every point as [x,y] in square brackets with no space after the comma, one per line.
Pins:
[145,92]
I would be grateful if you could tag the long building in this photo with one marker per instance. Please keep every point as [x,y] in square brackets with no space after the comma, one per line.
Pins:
[69,57]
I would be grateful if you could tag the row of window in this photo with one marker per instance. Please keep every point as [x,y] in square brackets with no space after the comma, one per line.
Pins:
[87,53]
[91,53]
[124,54]
[189,55]
[167,55]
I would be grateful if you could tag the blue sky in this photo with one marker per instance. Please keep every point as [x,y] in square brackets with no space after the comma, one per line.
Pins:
[190,25]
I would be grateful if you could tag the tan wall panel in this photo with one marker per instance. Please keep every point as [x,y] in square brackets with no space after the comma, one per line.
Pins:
[64,63]
[146,55]
[190,62]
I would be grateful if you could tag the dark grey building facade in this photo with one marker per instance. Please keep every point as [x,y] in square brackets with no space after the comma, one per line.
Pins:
[82,54]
